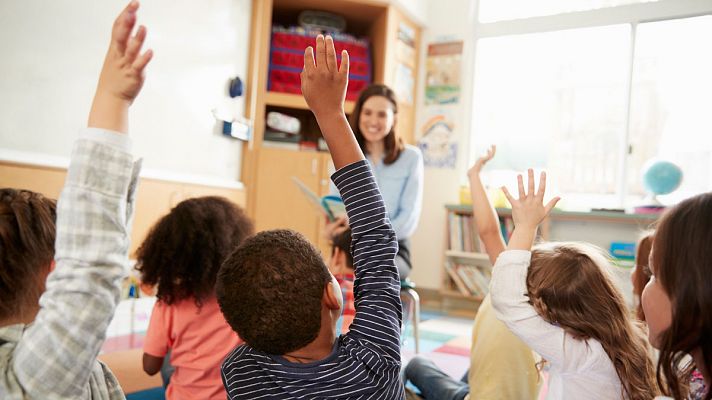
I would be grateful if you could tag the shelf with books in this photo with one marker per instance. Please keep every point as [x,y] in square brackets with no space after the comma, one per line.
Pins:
[466,267]
[465,258]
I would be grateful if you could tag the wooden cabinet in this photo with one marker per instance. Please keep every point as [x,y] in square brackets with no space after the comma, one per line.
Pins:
[273,200]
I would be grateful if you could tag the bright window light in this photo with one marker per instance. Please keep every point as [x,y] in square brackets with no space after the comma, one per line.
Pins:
[556,101]
[500,10]
[671,103]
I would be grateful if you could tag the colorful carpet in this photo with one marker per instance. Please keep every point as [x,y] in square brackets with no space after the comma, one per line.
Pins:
[444,339]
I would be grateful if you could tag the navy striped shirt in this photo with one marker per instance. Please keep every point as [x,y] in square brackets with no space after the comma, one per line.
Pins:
[365,363]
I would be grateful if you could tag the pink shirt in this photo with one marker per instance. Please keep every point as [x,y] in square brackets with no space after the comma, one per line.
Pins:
[199,340]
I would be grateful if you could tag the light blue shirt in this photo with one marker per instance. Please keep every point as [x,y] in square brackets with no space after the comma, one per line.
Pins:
[401,185]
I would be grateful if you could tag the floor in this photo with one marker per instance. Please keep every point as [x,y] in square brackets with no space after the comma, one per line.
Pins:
[445,339]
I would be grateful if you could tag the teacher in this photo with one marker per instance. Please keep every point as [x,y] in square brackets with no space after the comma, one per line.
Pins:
[398,167]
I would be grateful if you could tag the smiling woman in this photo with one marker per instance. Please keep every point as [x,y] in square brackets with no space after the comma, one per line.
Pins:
[398,167]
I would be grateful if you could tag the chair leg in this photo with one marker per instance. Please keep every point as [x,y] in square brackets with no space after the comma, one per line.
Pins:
[415,314]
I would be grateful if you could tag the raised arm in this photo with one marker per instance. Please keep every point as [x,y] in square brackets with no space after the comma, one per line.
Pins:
[57,354]
[508,288]
[324,89]
[486,217]
[374,245]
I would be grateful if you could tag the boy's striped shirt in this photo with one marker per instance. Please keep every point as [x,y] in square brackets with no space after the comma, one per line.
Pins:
[365,363]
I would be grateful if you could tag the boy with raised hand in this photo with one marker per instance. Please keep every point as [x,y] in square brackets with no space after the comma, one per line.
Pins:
[49,344]
[278,295]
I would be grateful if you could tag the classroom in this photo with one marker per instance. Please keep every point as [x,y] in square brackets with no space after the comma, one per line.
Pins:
[356,199]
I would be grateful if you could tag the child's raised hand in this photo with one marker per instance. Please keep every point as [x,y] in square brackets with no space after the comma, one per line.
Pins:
[323,83]
[529,210]
[122,75]
[475,170]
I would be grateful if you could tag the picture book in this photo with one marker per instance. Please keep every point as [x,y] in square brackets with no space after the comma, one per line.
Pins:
[330,206]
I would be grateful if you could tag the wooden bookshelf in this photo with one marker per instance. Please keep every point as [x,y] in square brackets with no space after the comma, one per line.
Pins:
[460,217]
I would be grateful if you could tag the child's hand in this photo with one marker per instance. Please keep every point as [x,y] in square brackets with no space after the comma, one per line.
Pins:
[474,171]
[529,210]
[323,84]
[122,75]
[336,227]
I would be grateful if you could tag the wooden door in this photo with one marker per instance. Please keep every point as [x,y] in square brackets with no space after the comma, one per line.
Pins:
[279,203]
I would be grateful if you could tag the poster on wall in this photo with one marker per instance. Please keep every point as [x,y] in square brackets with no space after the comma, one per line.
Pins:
[442,79]
[437,141]
[404,84]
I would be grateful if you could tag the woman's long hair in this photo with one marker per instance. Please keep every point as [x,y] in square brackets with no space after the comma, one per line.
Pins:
[569,285]
[392,143]
[682,263]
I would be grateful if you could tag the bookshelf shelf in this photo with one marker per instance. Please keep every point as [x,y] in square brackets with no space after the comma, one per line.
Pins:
[458,295]
[467,255]
[466,268]
[297,101]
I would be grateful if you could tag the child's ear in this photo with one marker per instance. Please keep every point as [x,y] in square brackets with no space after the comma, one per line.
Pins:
[52,265]
[332,297]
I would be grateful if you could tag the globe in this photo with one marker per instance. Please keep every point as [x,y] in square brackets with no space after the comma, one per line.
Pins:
[661,177]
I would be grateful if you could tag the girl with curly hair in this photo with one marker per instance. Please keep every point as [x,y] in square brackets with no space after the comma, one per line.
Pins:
[181,256]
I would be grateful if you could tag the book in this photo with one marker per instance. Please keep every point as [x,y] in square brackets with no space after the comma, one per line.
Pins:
[329,206]
[457,279]
[465,274]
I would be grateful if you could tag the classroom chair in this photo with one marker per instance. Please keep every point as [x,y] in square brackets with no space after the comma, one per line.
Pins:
[410,296]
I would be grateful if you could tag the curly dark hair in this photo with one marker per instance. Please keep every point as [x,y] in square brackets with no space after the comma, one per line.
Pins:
[27,234]
[270,291]
[342,241]
[184,250]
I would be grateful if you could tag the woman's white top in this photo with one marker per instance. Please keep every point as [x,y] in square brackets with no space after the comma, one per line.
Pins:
[579,369]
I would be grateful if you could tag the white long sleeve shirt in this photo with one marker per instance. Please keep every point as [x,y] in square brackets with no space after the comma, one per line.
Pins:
[580,369]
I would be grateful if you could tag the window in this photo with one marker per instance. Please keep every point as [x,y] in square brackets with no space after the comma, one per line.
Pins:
[592,105]
[671,103]
[499,10]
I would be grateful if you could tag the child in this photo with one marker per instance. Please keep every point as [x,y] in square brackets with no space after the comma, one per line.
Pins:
[560,300]
[501,366]
[641,272]
[341,266]
[278,295]
[57,296]
[182,255]
[678,296]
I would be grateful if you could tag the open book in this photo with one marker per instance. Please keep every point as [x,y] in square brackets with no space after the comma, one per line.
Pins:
[330,206]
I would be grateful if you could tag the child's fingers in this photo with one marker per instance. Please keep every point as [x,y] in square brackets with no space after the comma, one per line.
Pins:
[551,204]
[530,177]
[508,196]
[344,70]
[330,54]
[123,25]
[320,52]
[309,59]
[520,184]
[542,185]
[135,44]
[140,63]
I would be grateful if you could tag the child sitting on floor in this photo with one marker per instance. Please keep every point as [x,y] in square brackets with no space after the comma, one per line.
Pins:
[501,366]
[278,295]
[182,255]
[560,299]
[60,284]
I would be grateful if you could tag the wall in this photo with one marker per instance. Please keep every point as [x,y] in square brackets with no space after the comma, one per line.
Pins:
[52,53]
[441,185]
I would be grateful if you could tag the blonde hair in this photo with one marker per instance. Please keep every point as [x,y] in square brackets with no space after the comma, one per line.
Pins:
[569,285]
